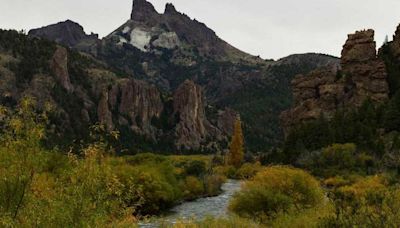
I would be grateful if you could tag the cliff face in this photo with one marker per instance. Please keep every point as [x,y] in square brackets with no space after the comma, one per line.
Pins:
[84,92]
[166,49]
[322,92]
[59,66]
[134,104]
[189,109]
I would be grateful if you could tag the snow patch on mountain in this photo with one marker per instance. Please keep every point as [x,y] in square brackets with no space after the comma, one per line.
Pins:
[140,39]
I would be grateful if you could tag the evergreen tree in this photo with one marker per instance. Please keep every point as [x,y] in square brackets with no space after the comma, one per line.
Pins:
[392,114]
[386,40]
[236,150]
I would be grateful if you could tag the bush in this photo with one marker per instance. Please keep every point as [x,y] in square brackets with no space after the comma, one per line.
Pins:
[367,188]
[192,188]
[195,168]
[213,183]
[248,170]
[369,202]
[227,171]
[335,182]
[275,190]
[339,155]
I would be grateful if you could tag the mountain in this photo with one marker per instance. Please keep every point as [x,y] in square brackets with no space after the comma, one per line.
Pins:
[70,34]
[150,31]
[166,50]
[83,91]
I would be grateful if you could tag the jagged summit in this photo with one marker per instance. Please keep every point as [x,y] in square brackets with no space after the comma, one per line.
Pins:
[170,9]
[67,32]
[150,31]
[143,11]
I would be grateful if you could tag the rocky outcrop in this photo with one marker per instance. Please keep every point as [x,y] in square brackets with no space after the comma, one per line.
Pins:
[322,92]
[361,64]
[59,66]
[359,47]
[146,25]
[189,108]
[134,103]
[104,113]
[70,34]
[144,11]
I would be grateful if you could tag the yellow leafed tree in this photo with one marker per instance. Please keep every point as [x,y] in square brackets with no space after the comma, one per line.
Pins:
[236,149]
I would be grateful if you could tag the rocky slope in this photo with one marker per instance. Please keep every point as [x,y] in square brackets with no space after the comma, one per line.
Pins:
[83,91]
[167,49]
[150,31]
[362,76]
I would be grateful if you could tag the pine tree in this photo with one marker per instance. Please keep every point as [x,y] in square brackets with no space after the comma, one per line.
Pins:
[236,149]
[386,41]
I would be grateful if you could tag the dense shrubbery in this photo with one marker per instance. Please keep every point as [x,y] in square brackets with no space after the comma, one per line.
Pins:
[288,197]
[338,159]
[365,202]
[88,189]
[359,126]
[277,190]
[248,170]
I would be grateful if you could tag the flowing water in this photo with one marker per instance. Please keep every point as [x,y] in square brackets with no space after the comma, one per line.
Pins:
[201,208]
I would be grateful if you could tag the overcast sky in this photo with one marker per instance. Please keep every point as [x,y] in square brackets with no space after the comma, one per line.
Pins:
[270,28]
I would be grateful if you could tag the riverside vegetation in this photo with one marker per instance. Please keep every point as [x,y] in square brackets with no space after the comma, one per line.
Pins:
[338,170]
[93,187]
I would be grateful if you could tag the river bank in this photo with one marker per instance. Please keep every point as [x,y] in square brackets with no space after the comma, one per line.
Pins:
[199,209]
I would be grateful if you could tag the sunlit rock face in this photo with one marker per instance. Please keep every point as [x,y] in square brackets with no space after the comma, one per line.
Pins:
[131,103]
[362,76]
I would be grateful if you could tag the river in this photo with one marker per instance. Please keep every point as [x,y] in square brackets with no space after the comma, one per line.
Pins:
[199,209]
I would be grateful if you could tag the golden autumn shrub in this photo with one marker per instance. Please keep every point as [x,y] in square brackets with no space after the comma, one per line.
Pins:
[192,187]
[248,170]
[275,190]
[368,202]
[213,183]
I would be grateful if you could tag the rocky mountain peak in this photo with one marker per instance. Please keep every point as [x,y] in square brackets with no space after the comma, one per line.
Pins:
[170,9]
[68,33]
[173,28]
[359,47]
[143,11]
